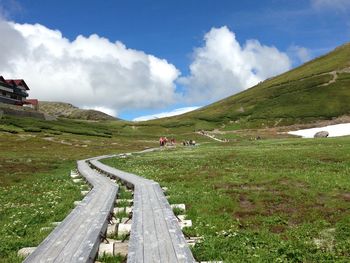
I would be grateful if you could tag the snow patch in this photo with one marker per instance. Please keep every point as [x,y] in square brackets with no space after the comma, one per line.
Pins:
[333,130]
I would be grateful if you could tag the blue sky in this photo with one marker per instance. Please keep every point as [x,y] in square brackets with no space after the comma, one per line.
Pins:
[180,32]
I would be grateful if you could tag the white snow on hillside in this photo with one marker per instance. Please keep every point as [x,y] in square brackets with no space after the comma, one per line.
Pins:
[333,130]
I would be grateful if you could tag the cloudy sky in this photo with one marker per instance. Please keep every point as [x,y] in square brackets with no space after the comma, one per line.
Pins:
[156,58]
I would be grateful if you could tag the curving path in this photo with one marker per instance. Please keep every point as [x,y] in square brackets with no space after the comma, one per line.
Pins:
[77,237]
[155,233]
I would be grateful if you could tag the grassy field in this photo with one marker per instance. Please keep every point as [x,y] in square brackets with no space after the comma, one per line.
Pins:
[252,201]
[279,200]
[35,161]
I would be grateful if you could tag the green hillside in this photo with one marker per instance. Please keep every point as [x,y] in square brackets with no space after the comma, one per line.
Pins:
[317,90]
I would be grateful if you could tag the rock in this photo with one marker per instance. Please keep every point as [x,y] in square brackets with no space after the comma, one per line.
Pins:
[124,229]
[83,193]
[111,229]
[178,206]
[47,228]
[77,180]
[113,248]
[185,223]
[26,251]
[321,134]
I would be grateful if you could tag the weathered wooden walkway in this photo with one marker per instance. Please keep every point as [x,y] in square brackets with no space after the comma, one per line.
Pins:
[77,237]
[155,233]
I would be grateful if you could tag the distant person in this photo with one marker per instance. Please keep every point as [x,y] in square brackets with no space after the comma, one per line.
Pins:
[161,141]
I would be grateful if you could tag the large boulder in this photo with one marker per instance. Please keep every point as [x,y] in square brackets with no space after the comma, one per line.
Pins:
[321,134]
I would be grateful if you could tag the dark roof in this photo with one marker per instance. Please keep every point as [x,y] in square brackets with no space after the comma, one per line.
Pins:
[17,82]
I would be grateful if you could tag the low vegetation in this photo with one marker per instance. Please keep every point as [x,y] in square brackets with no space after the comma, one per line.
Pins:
[35,160]
[253,201]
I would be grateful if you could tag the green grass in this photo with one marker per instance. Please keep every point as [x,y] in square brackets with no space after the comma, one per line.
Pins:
[111,259]
[35,186]
[257,201]
[31,204]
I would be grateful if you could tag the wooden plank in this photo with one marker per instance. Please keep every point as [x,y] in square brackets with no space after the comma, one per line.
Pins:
[135,251]
[155,234]
[151,244]
[76,239]
[183,252]
[166,246]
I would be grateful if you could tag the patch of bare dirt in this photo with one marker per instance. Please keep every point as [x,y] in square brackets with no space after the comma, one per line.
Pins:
[278,229]
[233,186]
[345,197]
[245,204]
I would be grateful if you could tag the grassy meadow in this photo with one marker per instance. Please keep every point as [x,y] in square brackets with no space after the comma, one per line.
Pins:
[279,200]
[35,161]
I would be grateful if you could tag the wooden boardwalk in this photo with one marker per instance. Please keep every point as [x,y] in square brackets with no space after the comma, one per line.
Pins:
[77,237]
[155,233]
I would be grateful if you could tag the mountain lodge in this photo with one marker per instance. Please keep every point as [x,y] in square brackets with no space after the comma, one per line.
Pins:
[13,91]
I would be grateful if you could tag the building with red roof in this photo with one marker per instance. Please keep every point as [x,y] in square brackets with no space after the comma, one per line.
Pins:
[31,103]
[13,91]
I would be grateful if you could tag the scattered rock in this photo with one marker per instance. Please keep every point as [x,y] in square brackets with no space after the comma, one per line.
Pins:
[123,229]
[111,229]
[26,251]
[46,228]
[113,248]
[178,206]
[321,134]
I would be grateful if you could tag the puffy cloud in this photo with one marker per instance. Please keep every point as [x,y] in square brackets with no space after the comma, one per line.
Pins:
[223,67]
[88,71]
[340,5]
[108,111]
[166,114]
[299,54]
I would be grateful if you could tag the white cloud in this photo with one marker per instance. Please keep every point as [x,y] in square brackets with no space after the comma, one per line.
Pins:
[89,71]
[223,67]
[96,73]
[166,114]
[102,109]
[299,54]
[341,5]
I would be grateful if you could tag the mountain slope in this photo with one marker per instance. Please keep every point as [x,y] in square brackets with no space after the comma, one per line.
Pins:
[66,110]
[317,90]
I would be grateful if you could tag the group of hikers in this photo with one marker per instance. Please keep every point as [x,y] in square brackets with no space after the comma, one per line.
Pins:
[163,141]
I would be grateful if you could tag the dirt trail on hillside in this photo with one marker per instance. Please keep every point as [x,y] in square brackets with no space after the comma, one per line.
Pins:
[334,74]
[211,136]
